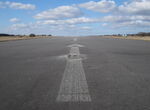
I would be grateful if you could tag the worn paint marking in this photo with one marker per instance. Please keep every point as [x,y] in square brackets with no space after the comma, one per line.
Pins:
[74,86]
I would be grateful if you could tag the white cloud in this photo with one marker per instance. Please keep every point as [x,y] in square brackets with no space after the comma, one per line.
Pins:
[103,6]
[18,26]
[71,21]
[135,13]
[24,26]
[86,28]
[104,24]
[137,23]
[16,5]
[14,20]
[2,5]
[123,21]
[121,18]
[51,22]
[39,28]
[112,18]
[60,13]
[139,7]
[81,20]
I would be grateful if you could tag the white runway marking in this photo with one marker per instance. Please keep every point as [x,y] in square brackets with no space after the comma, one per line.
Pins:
[74,86]
[75,39]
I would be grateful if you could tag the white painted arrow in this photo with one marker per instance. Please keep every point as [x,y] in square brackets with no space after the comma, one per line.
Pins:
[73,87]
[75,45]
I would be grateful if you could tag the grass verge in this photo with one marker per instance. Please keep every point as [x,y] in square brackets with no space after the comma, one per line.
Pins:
[146,38]
[11,38]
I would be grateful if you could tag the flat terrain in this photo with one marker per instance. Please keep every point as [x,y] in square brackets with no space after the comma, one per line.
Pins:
[98,74]
[146,38]
[10,38]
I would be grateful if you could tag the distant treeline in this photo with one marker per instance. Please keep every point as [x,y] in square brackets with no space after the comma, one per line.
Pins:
[140,34]
[31,35]
[7,35]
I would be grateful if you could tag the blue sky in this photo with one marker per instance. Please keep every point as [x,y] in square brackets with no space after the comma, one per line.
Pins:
[74,17]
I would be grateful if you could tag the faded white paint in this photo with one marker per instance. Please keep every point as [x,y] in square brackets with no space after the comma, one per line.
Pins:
[75,45]
[75,39]
[74,86]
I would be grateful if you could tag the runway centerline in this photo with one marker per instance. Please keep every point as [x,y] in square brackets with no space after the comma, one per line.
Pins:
[73,87]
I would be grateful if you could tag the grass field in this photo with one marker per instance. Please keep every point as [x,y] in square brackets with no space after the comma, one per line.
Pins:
[147,38]
[10,38]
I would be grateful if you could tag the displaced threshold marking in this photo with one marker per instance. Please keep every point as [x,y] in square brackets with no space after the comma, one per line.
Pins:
[73,87]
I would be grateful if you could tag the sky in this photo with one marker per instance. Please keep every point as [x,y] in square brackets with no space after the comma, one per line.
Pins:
[74,17]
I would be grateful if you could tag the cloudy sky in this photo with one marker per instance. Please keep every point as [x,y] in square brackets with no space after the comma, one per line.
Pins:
[74,17]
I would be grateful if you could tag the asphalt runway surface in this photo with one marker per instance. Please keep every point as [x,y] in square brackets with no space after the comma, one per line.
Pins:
[66,73]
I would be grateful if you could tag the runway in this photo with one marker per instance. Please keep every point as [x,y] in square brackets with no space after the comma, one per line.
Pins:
[75,73]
